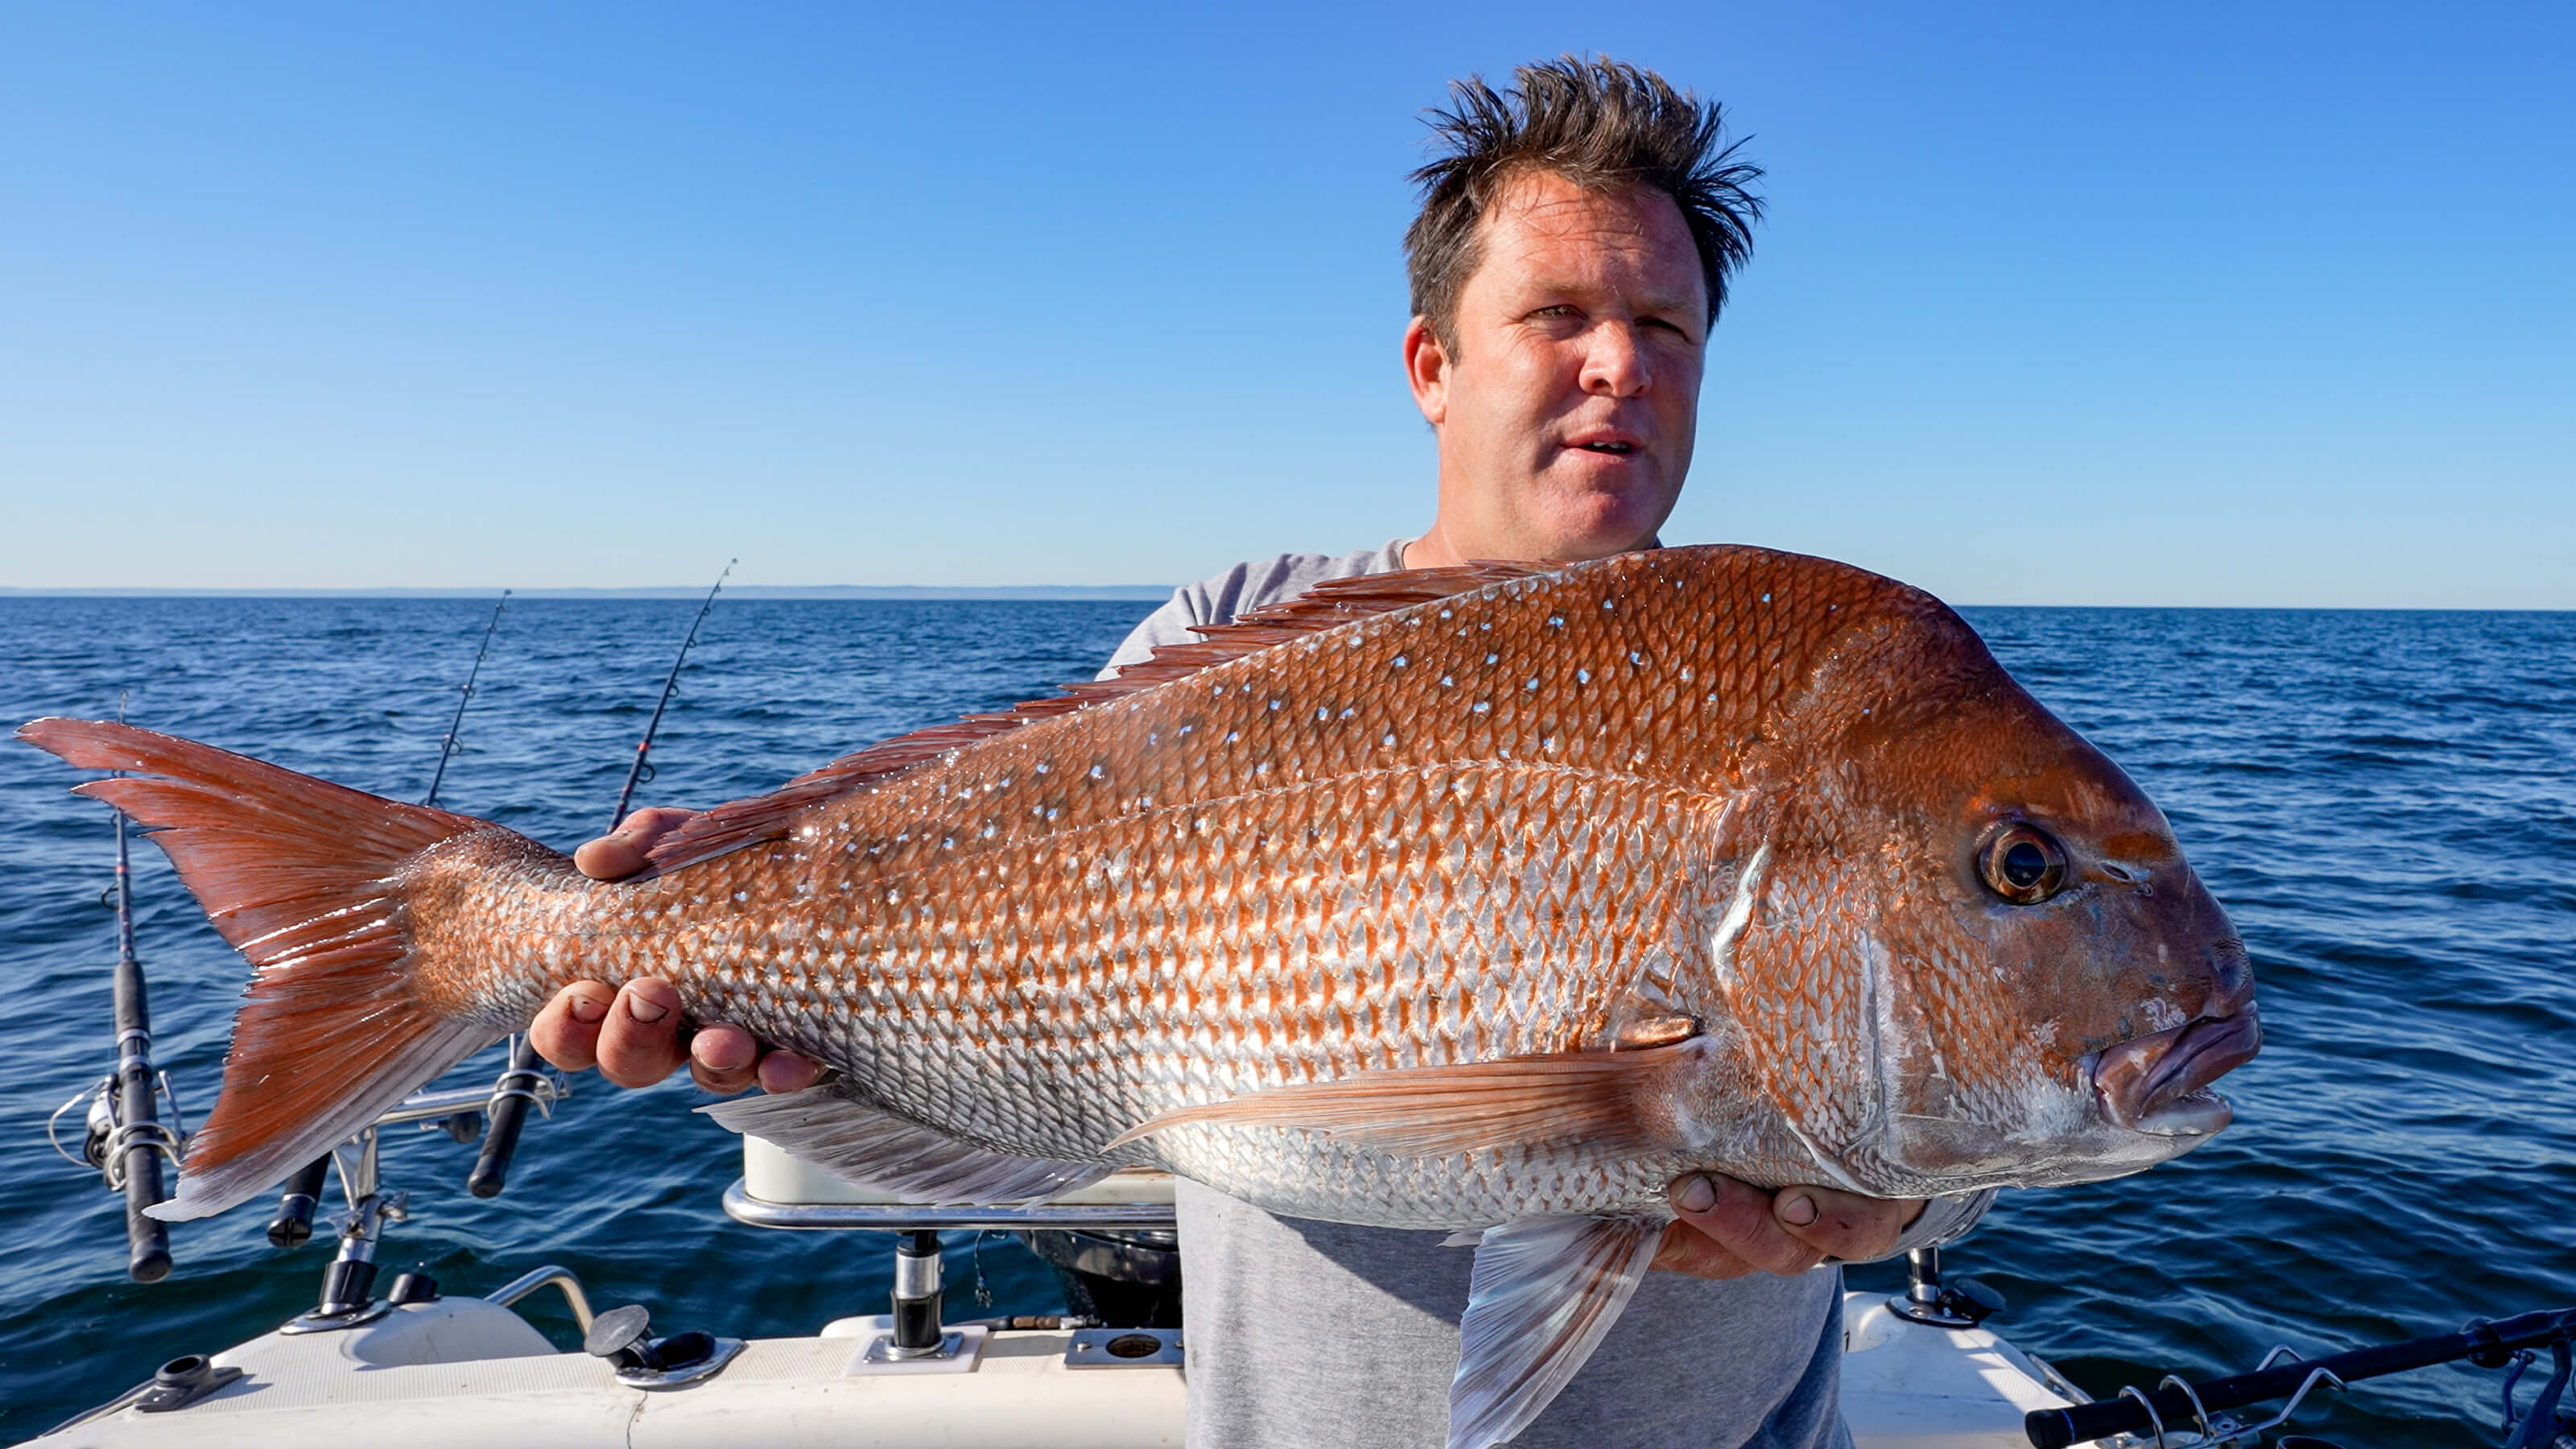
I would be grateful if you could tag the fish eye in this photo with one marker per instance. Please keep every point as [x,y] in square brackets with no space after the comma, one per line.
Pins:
[2023,864]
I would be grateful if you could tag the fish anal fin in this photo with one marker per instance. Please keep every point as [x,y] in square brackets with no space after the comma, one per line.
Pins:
[838,1129]
[1543,1294]
[1614,1103]
[1328,605]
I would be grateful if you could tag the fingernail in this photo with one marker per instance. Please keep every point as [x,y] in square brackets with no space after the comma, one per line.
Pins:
[1698,1195]
[1797,1210]
[586,1010]
[642,1010]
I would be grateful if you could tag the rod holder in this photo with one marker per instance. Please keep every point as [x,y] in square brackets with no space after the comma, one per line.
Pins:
[916,1297]
[511,1095]
[1927,1300]
[293,1225]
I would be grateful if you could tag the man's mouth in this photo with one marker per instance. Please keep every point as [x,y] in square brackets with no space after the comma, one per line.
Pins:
[1608,442]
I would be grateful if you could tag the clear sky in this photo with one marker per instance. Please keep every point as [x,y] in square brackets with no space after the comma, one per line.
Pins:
[2105,303]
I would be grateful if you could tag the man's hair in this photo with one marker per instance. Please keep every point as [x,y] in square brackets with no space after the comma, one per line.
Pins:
[1603,125]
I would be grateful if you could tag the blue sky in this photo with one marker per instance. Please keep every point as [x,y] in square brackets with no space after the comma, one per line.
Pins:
[2058,303]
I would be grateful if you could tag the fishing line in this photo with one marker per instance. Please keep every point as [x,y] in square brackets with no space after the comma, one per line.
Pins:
[448,746]
[642,770]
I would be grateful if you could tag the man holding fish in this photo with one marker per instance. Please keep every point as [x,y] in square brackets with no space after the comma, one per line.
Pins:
[1569,260]
[1517,906]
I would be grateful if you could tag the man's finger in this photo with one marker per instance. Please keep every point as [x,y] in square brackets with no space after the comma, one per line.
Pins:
[1738,1215]
[783,1071]
[623,852]
[1844,1225]
[639,1043]
[1685,1249]
[566,1033]
[723,1059]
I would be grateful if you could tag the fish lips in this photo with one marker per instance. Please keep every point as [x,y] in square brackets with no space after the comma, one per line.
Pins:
[2157,1083]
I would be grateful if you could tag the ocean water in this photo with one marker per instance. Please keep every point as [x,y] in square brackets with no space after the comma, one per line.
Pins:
[2386,803]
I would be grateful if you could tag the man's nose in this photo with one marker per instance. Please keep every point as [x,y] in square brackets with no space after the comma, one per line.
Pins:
[1614,365]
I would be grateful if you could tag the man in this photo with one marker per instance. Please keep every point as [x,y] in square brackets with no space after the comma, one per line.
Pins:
[1569,260]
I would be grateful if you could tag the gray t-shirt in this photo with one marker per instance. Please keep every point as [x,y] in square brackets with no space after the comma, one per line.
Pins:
[1307,1335]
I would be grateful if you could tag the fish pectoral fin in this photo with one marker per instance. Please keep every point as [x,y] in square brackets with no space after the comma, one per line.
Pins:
[1543,1294]
[842,1132]
[1607,1102]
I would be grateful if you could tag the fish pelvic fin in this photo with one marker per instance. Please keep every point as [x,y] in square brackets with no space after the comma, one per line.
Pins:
[839,1129]
[1329,605]
[1542,1296]
[1615,1103]
[305,878]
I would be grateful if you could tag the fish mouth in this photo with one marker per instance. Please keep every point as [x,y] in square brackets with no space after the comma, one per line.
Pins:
[2157,1083]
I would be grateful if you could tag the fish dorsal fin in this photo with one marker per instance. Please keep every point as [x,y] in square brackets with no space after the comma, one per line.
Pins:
[842,1132]
[1328,605]
[1543,1294]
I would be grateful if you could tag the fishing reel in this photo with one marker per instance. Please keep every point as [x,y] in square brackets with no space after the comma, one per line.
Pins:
[107,1138]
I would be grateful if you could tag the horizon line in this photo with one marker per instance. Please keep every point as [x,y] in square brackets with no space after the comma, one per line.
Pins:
[1005,593]
[1024,592]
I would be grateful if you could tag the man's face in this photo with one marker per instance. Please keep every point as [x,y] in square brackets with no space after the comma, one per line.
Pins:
[1566,400]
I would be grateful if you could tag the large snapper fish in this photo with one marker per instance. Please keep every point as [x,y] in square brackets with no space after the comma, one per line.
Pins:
[1489,899]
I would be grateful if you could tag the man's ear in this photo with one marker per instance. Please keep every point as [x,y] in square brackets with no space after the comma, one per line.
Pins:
[1426,368]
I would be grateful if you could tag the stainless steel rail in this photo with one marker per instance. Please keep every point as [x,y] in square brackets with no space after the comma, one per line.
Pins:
[742,1207]
[536,1278]
[452,1101]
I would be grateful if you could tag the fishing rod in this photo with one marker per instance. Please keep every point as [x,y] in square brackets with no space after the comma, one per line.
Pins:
[641,771]
[133,1151]
[464,692]
[2181,1408]
[123,1136]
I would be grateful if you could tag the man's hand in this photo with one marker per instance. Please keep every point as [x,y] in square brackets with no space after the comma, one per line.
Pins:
[633,1035]
[1728,1228]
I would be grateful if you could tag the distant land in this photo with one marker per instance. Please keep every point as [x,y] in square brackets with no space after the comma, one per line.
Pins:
[1028,592]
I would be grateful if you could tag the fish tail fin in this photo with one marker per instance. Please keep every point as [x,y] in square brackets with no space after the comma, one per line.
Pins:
[311,882]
